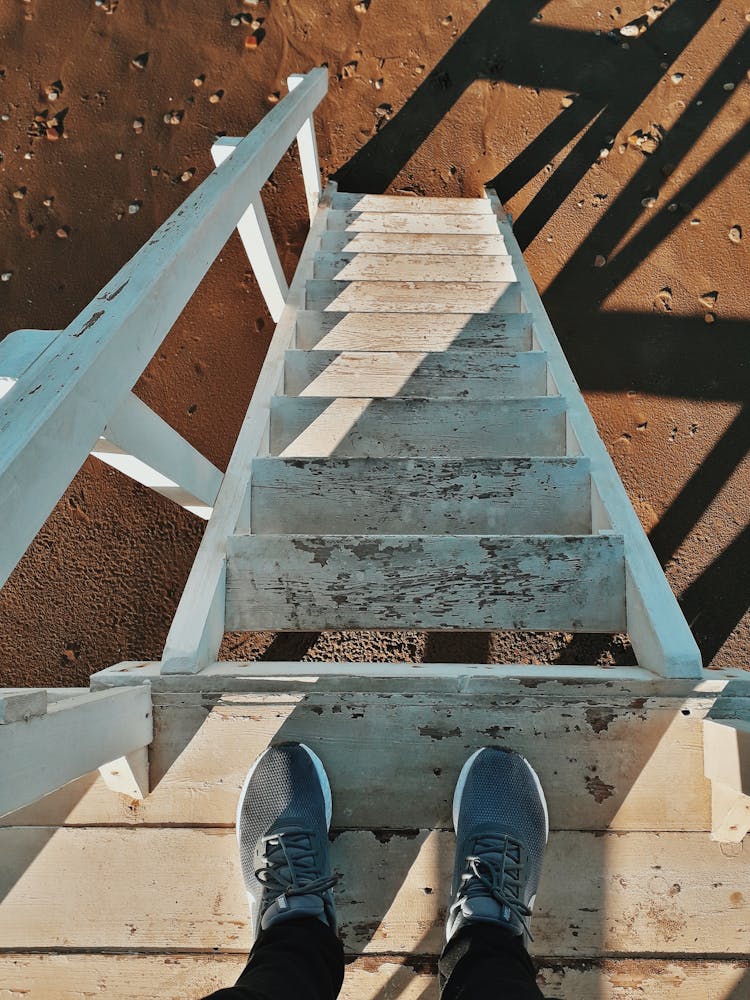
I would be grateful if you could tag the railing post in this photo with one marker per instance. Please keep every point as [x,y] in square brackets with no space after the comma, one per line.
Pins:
[308,155]
[257,240]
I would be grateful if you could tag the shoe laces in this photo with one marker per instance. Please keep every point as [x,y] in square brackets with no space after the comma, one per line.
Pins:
[291,866]
[496,869]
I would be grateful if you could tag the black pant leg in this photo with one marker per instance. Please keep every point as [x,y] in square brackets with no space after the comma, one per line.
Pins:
[295,960]
[485,962]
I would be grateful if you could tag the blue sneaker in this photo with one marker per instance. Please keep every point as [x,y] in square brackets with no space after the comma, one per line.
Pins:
[283,817]
[501,821]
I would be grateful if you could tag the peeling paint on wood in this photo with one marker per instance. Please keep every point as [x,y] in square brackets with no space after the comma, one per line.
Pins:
[544,582]
[478,374]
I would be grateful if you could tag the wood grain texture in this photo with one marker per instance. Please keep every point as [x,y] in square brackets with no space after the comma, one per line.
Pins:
[175,976]
[412,331]
[483,374]
[421,243]
[412,267]
[411,222]
[310,427]
[413,296]
[471,496]
[570,583]
[181,889]
[202,750]
[350,202]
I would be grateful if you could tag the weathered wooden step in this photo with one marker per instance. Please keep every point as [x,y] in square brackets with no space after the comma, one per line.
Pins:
[414,296]
[483,374]
[345,266]
[412,331]
[169,974]
[570,583]
[410,222]
[420,243]
[513,496]
[173,889]
[311,427]
[410,203]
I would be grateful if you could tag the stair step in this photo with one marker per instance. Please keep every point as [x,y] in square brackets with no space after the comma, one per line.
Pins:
[412,331]
[414,222]
[414,296]
[512,496]
[421,243]
[482,374]
[312,427]
[410,203]
[571,583]
[412,267]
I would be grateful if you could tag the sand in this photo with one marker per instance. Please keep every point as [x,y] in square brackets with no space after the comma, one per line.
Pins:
[618,153]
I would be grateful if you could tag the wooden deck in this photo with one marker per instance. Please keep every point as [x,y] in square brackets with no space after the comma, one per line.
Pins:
[101,892]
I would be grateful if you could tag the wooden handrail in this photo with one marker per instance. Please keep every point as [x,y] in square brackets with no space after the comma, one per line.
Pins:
[52,417]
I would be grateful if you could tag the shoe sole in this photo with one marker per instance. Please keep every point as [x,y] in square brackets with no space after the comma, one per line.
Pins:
[322,778]
[461,783]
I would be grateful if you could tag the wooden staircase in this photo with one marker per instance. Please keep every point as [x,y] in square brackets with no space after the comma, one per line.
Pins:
[417,455]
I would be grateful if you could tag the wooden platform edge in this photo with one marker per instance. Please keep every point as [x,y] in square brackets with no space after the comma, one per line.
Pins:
[460,678]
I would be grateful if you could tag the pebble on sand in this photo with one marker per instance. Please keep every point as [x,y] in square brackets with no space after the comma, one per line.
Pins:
[216,97]
[648,202]
[140,61]
[630,31]
[173,117]
[48,202]
[709,318]
[567,102]
[735,234]
[729,86]
[187,175]
[677,77]
[6,276]
[119,154]
[199,80]
[62,232]
[133,207]
[251,42]
[599,260]
[138,124]
[19,194]
[603,154]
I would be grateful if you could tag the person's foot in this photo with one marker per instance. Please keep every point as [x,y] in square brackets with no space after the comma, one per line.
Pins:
[283,817]
[501,821]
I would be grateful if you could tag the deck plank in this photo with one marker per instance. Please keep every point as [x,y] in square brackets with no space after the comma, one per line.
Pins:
[641,893]
[175,976]
[201,753]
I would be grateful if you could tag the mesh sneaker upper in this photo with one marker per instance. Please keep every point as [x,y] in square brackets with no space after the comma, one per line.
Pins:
[501,833]
[282,831]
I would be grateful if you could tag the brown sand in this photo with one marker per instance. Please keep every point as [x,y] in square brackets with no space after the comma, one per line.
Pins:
[432,98]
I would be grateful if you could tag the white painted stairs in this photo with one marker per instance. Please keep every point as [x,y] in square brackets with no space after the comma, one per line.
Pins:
[428,463]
